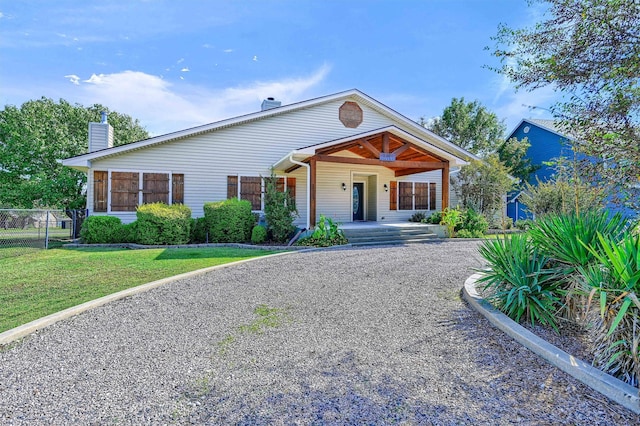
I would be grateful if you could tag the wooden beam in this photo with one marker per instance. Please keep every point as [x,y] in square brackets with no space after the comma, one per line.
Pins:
[339,147]
[290,169]
[405,172]
[312,190]
[445,186]
[385,143]
[433,165]
[402,149]
[365,143]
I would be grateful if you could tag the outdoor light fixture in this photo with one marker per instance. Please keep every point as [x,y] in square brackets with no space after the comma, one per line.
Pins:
[386,187]
[344,186]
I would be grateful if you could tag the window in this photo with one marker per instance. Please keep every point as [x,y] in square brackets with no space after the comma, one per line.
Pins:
[412,195]
[252,188]
[130,189]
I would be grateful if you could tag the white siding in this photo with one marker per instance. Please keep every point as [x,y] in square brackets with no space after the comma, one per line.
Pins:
[250,149]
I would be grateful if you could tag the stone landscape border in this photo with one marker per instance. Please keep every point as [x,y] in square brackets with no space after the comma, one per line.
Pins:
[614,389]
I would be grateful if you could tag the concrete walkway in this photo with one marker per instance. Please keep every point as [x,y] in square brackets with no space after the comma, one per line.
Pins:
[352,336]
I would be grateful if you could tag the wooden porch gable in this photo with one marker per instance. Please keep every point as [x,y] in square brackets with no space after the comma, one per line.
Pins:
[384,149]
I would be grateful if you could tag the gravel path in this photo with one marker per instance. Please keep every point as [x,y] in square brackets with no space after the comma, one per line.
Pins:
[364,336]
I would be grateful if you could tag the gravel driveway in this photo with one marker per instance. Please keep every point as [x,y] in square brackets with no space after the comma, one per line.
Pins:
[350,336]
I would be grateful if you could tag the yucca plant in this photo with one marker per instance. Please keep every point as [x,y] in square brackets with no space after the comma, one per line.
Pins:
[521,282]
[615,286]
[571,241]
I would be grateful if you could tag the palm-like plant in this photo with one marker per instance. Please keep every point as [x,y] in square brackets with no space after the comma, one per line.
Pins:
[615,283]
[521,282]
[571,241]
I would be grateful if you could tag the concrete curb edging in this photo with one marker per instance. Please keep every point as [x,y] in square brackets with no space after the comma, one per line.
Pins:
[14,334]
[614,389]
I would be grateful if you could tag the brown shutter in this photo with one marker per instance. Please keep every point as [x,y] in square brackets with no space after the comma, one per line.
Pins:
[422,195]
[124,191]
[177,188]
[251,190]
[393,195]
[155,188]
[100,190]
[280,184]
[291,186]
[432,196]
[405,195]
[232,187]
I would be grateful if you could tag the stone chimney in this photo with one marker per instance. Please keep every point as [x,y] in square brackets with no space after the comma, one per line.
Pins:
[100,134]
[270,103]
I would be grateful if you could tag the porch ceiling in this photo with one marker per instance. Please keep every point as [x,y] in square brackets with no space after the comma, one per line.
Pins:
[384,149]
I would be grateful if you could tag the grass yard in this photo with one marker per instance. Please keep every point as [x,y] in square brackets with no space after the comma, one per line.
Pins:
[44,282]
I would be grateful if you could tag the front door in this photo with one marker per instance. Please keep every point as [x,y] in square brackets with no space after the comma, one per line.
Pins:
[358,201]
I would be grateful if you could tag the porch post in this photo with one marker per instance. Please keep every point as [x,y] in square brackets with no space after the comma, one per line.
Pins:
[445,186]
[312,190]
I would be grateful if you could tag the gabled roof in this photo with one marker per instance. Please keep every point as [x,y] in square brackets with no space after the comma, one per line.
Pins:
[545,124]
[305,153]
[83,161]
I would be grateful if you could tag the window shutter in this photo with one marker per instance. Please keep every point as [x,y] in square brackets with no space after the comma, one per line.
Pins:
[405,195]
[251,190]
[432,196]
[232,187]
[177,188]
[124,191]
[291,186]
[100,190]
[422,195]
[393,195]
[155,188]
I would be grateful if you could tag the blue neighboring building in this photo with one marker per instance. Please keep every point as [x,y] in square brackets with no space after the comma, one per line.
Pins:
[546,143]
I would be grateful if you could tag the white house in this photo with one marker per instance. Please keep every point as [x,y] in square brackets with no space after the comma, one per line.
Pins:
[345,155]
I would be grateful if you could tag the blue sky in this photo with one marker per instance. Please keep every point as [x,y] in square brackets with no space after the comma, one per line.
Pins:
[176,64]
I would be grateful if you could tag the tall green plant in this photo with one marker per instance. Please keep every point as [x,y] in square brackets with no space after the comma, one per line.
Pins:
[571,241]
[521,282]
[450,219]
[615,284]
[279,210]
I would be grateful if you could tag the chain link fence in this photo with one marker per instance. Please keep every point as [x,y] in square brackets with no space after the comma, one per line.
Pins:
[23,231]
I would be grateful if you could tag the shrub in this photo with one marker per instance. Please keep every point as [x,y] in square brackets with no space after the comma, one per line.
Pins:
[464,233]
[258,234]
[523,224]
[571,240]
[473,222]
[279,210]
[418,217]
[521,282]
[129,232]
[159,223]
[230,221]
[101,230]
[199,229]
[327,233]
[615,281]
[434,219]
[451,218]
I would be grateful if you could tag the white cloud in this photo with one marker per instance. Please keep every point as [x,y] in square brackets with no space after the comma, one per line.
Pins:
[522,104]
[185,69]
[255,58]
[162,107]
[228,50]
[73,79]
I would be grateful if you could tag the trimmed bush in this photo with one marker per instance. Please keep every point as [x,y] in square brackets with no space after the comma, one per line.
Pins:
[258,234]
[473,222]
[230,221]
[279,210]
[159,223]
[101,230]
[199,229]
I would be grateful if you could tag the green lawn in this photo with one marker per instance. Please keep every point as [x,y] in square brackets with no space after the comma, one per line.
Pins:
[44,282]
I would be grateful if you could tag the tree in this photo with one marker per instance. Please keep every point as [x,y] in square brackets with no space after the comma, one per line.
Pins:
[512,153]
[589,51]
[482,186]
[36,135]
[470,126]
[279,209]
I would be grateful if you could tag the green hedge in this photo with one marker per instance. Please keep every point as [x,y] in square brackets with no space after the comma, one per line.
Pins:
[159,223]
[230,221]
[102,230]
[258,234]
